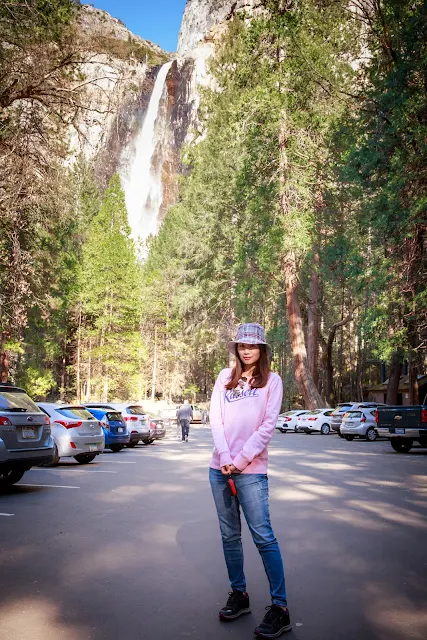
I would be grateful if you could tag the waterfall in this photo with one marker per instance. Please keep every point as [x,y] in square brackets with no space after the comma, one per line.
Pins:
[142,181]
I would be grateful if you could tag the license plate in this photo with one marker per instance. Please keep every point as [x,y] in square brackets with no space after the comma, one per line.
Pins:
[399,430]
[120,429]
[28,433]
[93,447]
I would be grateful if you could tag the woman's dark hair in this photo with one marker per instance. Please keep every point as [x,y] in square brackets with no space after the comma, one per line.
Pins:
[261,371]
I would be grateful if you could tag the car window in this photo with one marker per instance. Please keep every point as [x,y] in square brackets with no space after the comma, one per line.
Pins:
[17,401]
[114,416]
[328,413]
[136,410]
[373,412]
[354,414]
[75,412]
[314,413]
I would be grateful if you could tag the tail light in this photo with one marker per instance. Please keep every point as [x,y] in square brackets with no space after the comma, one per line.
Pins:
[69,425]
[153,425]
[131,418]
[312,419]
[47,420]
[363,419]
[5,421]
[106,425]
[423,415]
[286,419]
[376,416]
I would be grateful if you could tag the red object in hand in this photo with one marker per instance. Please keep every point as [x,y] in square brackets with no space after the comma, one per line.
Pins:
[232,486]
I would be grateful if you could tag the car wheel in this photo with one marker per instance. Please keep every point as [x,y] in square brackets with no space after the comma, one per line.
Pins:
[401,445]
[10,476]
[115,448]
[324,429]
[371,434]
[349,437]
[85,458]
[340,434]
[131,445]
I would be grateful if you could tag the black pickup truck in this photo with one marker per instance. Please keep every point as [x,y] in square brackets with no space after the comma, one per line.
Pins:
[403,426]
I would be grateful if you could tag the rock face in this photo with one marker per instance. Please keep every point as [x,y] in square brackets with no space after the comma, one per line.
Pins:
[200,16]
[118,69]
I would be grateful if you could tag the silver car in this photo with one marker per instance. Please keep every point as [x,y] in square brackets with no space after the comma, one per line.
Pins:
[25,436]
[76,432]
[359,422]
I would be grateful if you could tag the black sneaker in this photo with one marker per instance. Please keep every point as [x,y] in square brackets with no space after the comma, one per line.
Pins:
[276,621]
[237,605]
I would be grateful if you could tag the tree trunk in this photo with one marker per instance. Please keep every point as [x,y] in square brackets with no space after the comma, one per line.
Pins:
[313,323]
[153,381]
[4,357]
[89,372]
[79,346]
[394,377]
[308,389]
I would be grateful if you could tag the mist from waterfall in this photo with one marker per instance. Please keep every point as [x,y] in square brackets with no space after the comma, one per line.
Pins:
[142,181]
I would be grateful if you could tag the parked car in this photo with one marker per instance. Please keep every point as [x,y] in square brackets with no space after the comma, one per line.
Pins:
[403,425]
[25,435]
[337,415]
[288,421]
[157,426]
[114,428]
[360,422]
[169,413]
[318,420]
[76,432]
[197,414]
[135,417]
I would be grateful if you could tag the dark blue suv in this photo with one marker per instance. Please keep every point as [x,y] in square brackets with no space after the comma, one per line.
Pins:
[114,427]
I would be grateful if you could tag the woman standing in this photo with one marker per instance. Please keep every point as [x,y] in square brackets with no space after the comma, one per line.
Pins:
[244,408]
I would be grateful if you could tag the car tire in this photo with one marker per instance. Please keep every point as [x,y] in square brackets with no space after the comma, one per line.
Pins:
[324,429]
[85,458]
[131,445]
[371,434]
[349,437]
[339,433]
[116,448]
[11,476]
[401,445]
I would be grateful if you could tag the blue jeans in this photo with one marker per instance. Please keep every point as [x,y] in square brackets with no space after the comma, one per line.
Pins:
[252,497]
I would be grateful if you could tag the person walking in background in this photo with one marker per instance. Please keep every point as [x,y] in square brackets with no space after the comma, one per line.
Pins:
[244,408]
[184,416]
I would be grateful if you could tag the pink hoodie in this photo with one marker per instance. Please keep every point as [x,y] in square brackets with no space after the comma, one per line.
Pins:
[242,426]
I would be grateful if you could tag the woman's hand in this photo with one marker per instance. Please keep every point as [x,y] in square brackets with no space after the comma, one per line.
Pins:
[228,469]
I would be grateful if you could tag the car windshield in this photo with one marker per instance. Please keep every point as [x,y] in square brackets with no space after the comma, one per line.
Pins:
[136,410]
[314,413]
[75,412]
[18,401]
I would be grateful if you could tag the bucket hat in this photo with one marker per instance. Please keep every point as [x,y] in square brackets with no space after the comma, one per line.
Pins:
[250,333]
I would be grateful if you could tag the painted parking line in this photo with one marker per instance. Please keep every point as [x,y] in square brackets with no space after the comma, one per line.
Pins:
[52,486]
[117,462]
[76,470]
[7,515]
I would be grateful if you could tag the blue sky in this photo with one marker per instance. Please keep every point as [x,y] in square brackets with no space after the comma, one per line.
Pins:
[155,20]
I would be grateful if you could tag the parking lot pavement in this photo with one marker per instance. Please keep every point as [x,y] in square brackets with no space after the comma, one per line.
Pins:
[128,547]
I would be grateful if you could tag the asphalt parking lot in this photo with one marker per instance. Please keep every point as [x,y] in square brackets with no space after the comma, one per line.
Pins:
[128,547]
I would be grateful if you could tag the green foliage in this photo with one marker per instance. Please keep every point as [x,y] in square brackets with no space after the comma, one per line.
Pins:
[109,297]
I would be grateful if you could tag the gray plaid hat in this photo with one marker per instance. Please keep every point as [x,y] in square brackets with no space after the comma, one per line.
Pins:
[250,333]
